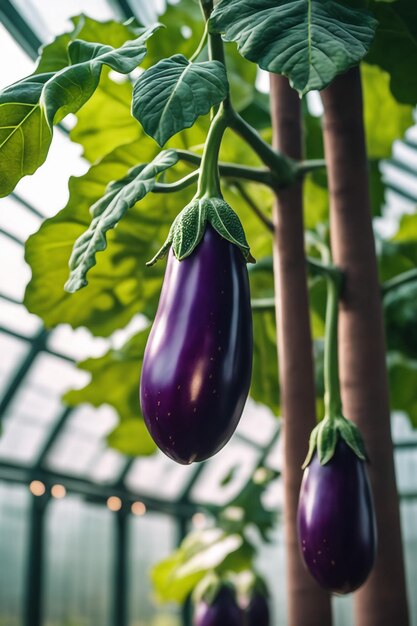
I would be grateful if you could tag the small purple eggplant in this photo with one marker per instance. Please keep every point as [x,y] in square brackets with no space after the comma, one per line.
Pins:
[197,365]
[336,524]
[221,611]
[257,611]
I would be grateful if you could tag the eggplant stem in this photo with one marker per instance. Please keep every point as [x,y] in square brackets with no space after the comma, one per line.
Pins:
[332,397]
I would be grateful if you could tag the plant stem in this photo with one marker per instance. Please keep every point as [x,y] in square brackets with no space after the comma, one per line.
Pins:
[263,304]
[233,170]
[304,167]
[332,399]
[209,180]
[249,201]
[178,185]
[284,169]
[201,45]
[399,281]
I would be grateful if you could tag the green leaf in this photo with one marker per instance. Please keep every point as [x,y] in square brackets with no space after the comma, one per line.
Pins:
[131,437]
[121,285]
[385,119]
[25,135]
[115,381]
[105,121]
[29,108]
[403,384]
[54,56]
[395,47]
[120,196]
[72,86]
[172,94]
[202,551]
[265,384]
[308,41]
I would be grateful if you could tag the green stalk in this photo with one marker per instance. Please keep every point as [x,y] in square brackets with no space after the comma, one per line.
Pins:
[399,281]
[201,45]
[284,169]
[209,180]
[332,398]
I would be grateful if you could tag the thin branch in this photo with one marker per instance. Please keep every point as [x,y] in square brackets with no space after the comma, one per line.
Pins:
[178,185]
[252,205]
[304,167]
[399,281]
[233,170]
[263,304]
[284,170]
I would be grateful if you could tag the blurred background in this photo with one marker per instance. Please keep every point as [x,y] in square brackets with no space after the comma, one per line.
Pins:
[81,524]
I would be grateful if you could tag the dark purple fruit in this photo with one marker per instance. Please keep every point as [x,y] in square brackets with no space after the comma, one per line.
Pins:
[257,612]
[197,365]
[336,524]
[222,611]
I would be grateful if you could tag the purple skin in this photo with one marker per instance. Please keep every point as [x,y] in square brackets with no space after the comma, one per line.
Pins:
[336,523]
[223,611]
[257,612]
[198,360]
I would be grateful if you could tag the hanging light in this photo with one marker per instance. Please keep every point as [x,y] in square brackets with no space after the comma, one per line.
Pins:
[58,491]
[138,508]
[114,503]
[37,488]
[199,520]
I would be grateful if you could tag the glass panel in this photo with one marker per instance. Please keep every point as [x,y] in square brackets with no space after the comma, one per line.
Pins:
[257,423]
[22,66]
[151,538]
[21,440]
[78,344]
[14,273]
[16,318]
[80,441]
[107,467]
[55,15]
[47,190]
[16,219]
[13,351]
[225,475]
[54,376]
[14,518]
[78,580]
[158,476]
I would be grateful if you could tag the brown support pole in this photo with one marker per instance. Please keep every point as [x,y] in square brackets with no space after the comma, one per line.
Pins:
[308,605]
[382,600]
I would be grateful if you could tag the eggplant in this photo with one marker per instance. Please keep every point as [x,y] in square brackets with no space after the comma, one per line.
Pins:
[257,611]
[197,364]
[223,610]
[336,522]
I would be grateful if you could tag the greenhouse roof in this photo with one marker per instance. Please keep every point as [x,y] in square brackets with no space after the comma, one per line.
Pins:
[43,439]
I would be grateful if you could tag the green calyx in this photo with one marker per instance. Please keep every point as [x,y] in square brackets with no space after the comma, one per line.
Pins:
[189,226]
[325,435]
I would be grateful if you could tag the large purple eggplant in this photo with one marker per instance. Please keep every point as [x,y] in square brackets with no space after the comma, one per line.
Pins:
[257,611]
[197,365]
[221,611]
[336,525]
